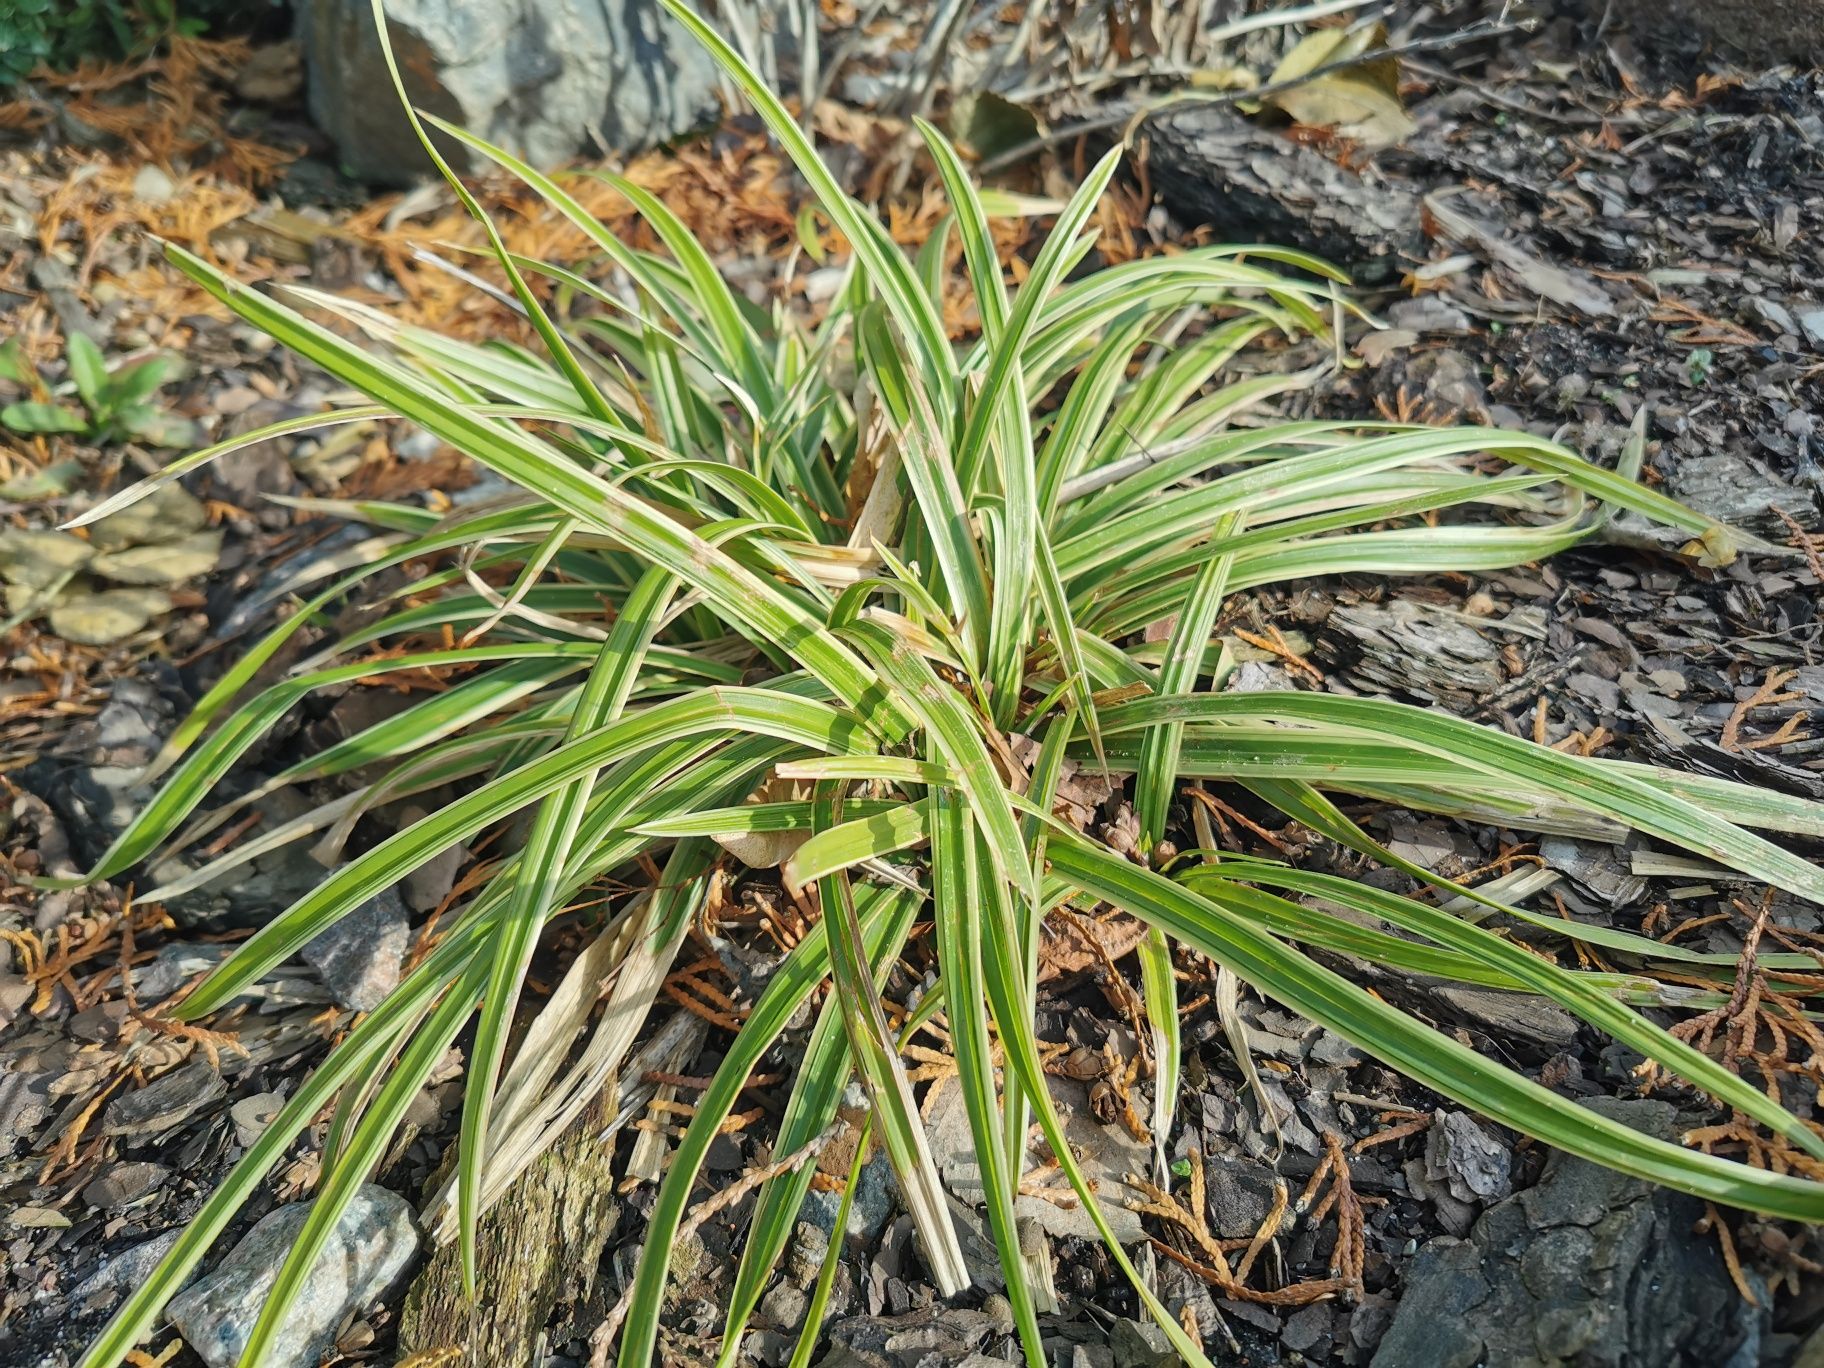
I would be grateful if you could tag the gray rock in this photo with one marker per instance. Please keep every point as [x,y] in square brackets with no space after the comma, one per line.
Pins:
[246,478]
[1428,313]
[541,78]
[805,1255]
[1257,676]
[875,1197]
[128,1268]
[427,885]
[1404,647]
[759,1346]
[369,1248]
[1212,166]
[723,1156]
[1241,1193]
[785,1306]
[15,993]
[1107,1154]
[1368,1322]
[1738,489]
[1597,866]
[1141,1344]
[929,1335]
[252,1115]
[91,780]
[1587,1269]
[1263,1140]
[1511,1015]
[1812,321]
[26,1102]
[981,1257]
[1450,381]
[173,966]
[359,958]
[1776,315]
[1604,693]
[1455,1216]
[1336,1052]
[1811,1352]
[250,894]
[1304,1328]
[1431,844]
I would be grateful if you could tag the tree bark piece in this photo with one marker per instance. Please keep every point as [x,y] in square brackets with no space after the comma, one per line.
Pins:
[1252,185]
[538,1246]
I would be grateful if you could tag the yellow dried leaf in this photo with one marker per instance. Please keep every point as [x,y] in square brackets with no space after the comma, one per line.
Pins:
[1361,102]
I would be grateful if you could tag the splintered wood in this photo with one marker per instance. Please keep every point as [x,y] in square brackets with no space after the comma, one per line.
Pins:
[540,1245]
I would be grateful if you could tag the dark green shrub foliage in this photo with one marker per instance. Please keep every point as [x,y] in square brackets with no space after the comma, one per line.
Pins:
[61,33]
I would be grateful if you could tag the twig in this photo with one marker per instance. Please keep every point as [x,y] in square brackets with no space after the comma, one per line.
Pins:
[1275,643]
[1088,82]
[919,91]
[1275,18]
[1534,680]
[1143,457]
[1581,117]
[469,278]
[1023,35]
[1227,814]
[833,68]
[1298,1294]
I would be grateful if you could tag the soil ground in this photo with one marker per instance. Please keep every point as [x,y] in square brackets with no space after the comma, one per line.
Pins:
[1618,238]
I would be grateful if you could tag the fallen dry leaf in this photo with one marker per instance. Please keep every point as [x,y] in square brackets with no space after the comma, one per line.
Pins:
[1361,102]
[1066,949]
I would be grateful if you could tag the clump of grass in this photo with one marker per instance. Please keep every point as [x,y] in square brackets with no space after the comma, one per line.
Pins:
[748,555]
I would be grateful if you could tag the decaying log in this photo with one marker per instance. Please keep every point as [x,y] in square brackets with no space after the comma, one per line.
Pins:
[1251,184]
[538,1246]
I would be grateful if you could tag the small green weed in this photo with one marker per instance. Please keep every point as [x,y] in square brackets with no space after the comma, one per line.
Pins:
[111,405]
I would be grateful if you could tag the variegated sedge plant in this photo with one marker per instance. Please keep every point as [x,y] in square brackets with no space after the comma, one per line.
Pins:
[870,563]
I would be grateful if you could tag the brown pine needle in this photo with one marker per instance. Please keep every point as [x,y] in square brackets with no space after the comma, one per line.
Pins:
[1713,1220]
[1276,643]
[1416,1126]
[1268,1229]
[1767,694]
